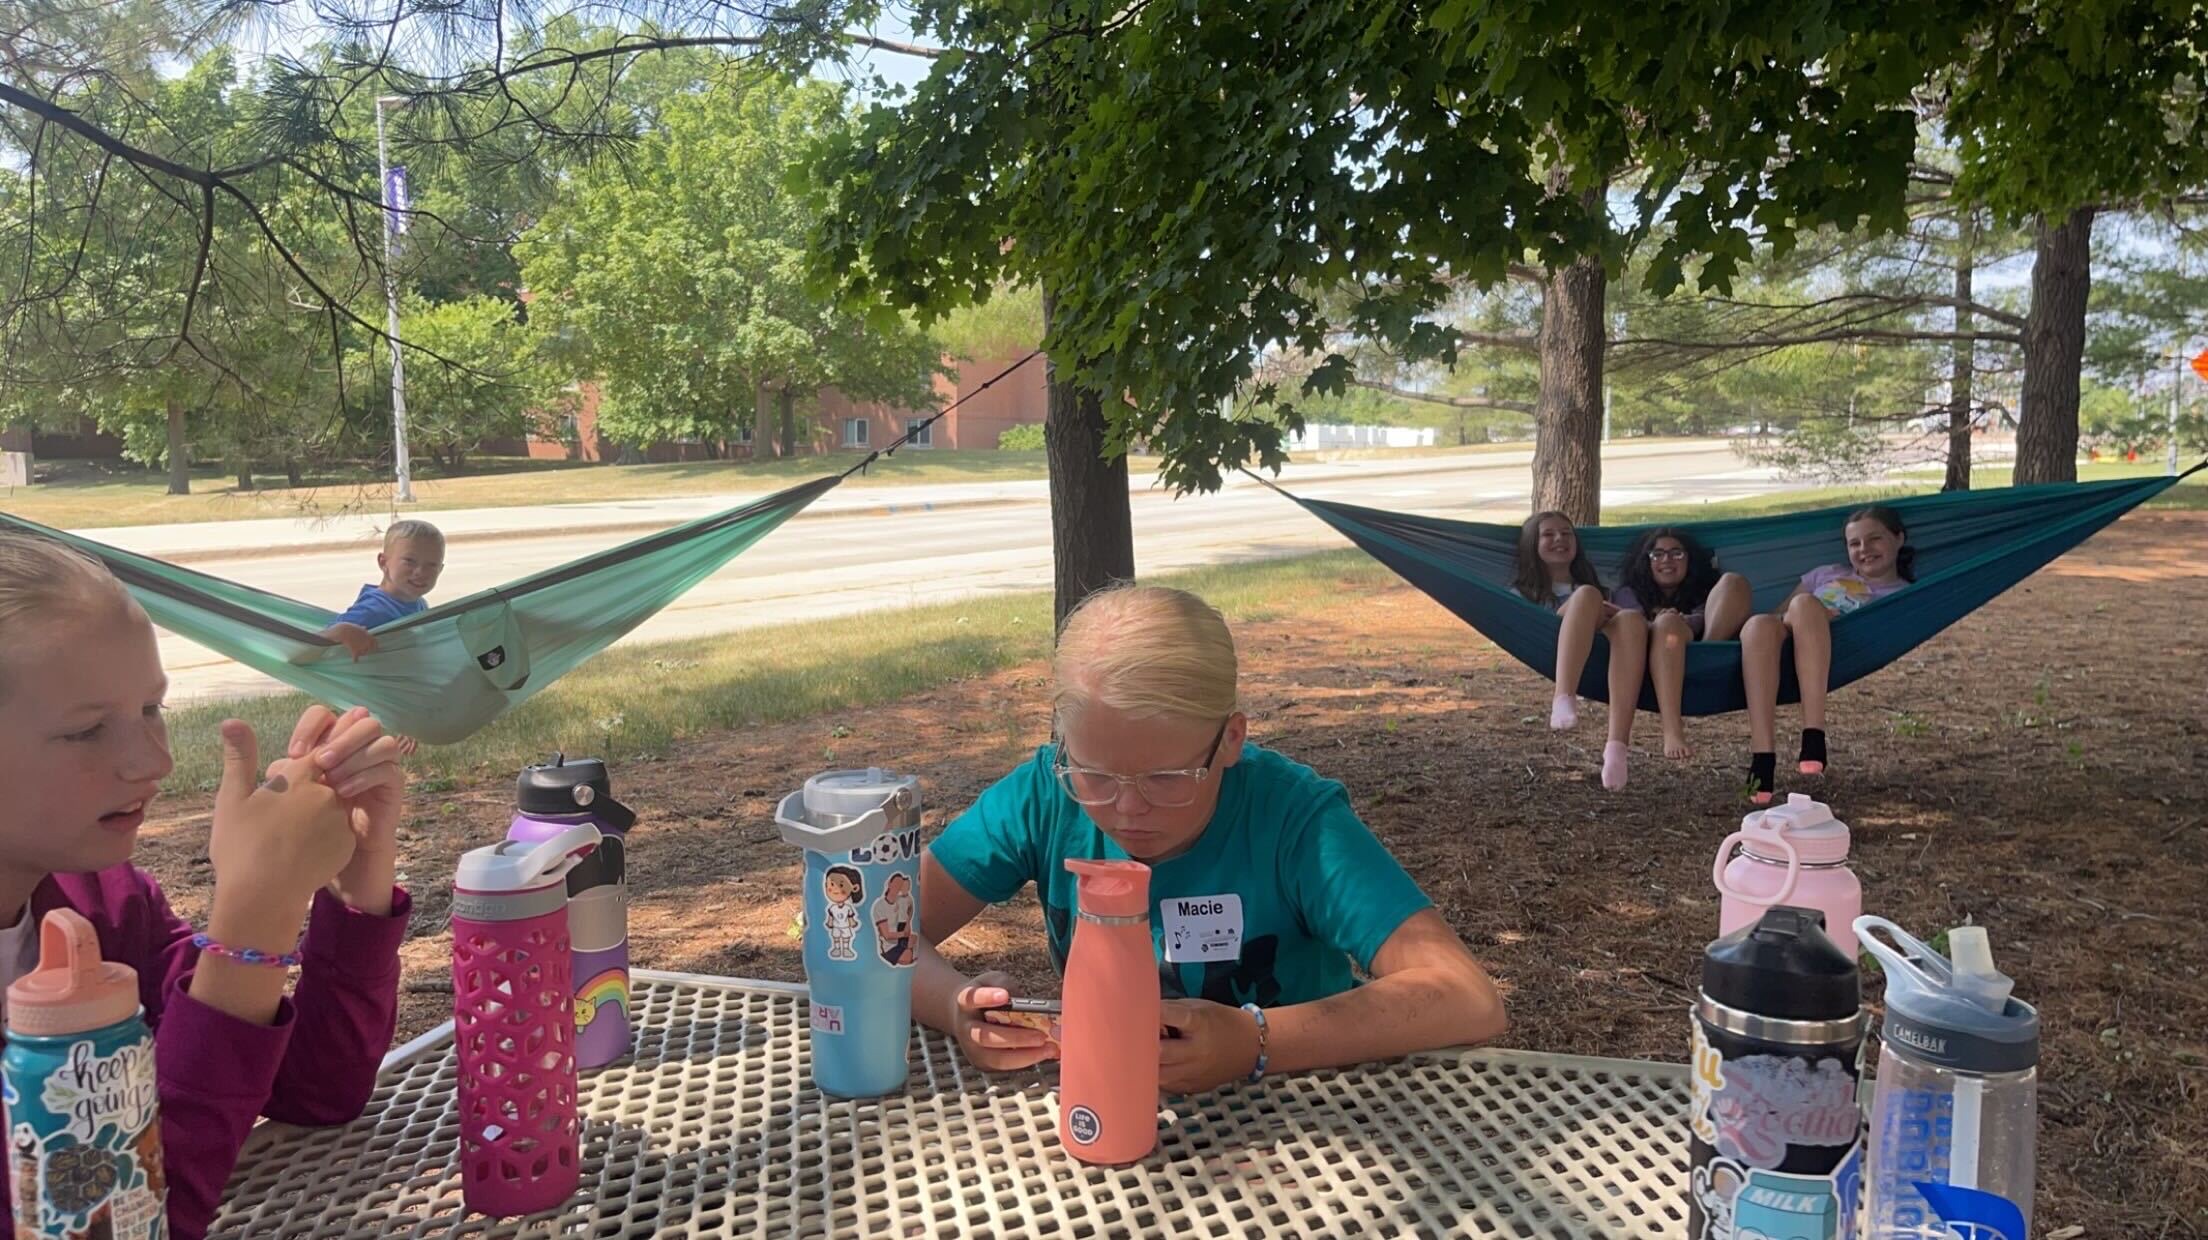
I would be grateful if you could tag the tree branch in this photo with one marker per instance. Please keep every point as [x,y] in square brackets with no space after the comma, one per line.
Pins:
[1453,402]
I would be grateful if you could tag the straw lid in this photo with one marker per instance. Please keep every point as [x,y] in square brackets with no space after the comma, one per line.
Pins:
[72,990]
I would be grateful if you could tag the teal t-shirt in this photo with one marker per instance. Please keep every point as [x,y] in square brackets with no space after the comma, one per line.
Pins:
[1284,888]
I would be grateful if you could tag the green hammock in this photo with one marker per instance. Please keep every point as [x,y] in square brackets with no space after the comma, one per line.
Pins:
[1971,545]
[446,673]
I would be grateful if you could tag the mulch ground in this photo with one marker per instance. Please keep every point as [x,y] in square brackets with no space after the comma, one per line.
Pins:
[2036,769]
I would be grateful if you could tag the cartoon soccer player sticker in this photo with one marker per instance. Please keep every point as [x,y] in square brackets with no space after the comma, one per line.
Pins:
[845,887]
[893,915]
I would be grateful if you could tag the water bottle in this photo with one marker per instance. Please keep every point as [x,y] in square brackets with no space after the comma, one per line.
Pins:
[1797,854]
[83,1104]
[552,798]
[1776,1132]
[513,1014]
[861,834]
[1108,1046]
[1954,1115]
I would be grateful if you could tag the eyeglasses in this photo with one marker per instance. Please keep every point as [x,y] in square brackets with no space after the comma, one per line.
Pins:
[1159,789]
[1667,553]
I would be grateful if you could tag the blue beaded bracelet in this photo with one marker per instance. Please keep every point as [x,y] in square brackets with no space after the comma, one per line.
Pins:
[1264,1036]
[247,955]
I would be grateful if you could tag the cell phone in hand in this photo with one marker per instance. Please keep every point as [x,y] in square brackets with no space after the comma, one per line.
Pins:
[1040,1015]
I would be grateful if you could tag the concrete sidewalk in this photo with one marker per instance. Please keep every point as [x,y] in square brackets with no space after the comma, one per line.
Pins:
[212,540]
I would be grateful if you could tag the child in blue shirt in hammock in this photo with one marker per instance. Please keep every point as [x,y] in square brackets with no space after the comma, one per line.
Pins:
[413,556]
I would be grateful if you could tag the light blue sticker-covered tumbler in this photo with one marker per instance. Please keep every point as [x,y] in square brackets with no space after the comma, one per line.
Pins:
[861,834]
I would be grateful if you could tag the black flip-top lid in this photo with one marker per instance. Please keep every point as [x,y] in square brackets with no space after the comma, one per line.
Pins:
[1783,967]
[570,787]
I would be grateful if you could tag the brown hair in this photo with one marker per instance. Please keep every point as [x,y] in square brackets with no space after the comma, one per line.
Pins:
[1532,579]
[1905,560]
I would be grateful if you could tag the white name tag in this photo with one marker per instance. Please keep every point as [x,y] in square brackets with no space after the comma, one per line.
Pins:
[1202,928]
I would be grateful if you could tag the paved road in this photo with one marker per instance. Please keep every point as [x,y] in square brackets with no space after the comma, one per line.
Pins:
[841,564]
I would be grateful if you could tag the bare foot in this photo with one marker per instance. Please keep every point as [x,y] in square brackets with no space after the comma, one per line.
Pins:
[1676,746]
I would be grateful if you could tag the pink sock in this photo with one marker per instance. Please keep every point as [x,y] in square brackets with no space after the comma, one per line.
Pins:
[1564,713]
[1614,755]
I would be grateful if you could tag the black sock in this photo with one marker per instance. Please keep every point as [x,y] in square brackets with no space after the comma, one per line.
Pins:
[1813,745]
[1763,770]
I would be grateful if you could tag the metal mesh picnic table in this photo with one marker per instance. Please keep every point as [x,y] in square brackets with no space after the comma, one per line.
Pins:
[713,1128]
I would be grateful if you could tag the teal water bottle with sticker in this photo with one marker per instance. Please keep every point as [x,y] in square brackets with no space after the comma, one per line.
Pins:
[83,1110]
[861,834]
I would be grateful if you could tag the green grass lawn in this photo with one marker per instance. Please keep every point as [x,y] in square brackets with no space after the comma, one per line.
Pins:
[91,495]
[2189,494]
[636,702]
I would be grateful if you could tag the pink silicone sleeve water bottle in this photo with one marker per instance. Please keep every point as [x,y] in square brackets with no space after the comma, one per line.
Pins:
[513,1012]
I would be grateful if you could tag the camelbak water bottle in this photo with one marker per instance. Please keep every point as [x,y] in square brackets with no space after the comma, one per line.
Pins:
[861,834]
[1954,1117]
[552,798]
[513,1012]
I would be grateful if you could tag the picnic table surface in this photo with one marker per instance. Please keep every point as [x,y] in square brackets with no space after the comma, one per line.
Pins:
[712,1127]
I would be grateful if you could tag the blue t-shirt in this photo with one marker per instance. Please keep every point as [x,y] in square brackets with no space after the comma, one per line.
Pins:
[1284,888]
[376,607]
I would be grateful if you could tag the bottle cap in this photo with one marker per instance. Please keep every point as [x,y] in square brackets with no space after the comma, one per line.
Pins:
[1783,967]
[564,788]
[1955,1014]
[524,865]
[1807,823]
[1112,888]
[72,990]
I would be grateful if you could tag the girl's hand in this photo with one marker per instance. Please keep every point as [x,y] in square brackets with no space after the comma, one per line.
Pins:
[274,843]
[993,1047]
[361,764]
[1211,1045]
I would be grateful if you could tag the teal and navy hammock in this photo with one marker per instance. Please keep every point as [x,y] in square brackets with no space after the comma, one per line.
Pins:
[1971,546]
[444,674]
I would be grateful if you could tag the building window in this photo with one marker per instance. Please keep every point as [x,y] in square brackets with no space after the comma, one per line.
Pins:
[743,433]
[854,432]
[922,432]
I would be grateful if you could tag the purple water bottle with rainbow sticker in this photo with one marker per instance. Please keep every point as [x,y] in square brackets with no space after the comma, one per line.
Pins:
[561,794]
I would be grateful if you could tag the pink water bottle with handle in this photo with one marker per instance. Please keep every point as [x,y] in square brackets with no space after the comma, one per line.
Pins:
[513,1011]
[1796,854]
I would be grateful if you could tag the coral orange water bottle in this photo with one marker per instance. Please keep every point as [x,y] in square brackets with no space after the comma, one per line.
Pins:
[1108,1062]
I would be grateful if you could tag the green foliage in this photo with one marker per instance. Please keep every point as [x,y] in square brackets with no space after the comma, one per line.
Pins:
[678,277]
[1028,438]
[1210,184]
[473,372]
[1007,325]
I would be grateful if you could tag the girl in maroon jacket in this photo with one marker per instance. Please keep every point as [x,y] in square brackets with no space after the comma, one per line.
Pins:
[83,751]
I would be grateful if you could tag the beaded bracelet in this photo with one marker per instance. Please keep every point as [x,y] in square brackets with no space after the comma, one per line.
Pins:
[1264,1036]
[248,955]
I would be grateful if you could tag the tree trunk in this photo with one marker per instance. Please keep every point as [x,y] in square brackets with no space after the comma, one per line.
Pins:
[245,475]
[2054,350]
[1567,431]
[180,453]
[762,425]
[1092,534]
[292,477]
[786,401]
[1965,363]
